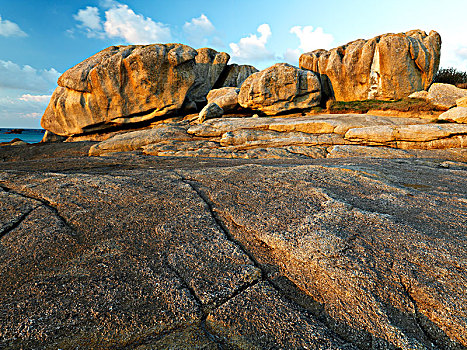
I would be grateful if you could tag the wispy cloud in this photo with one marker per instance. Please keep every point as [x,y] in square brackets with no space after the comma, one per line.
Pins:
[35,98]
[24,92]
[26,77]
[90,21]
[8,28]
[252,48]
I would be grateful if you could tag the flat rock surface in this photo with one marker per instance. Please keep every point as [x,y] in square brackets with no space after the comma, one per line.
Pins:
[134,251]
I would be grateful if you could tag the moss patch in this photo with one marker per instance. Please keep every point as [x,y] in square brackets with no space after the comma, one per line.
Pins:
[402,105]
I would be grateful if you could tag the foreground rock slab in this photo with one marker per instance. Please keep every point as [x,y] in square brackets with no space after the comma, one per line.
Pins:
[143,252]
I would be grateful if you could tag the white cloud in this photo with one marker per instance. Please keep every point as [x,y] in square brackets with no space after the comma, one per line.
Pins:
[309,40]
[26,77]
[24,93]
[121,22]
[461,52]
[90,21]
[454,50]
[16,111]
[312,39]
[252,48]
[35,98]
[198,30]
[8,28]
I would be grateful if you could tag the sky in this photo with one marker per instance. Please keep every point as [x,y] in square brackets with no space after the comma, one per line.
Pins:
[41,39]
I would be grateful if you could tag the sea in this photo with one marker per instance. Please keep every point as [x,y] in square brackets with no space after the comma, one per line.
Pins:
[27,135]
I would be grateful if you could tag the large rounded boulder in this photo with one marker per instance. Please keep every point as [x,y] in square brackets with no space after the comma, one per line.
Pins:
[280,88]
[121,85]
[389,66]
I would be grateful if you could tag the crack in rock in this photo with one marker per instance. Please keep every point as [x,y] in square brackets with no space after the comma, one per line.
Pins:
[45,203]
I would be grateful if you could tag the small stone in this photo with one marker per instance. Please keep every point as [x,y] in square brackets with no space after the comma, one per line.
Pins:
[456,115]
[419,94]
[226,98]
[210,111]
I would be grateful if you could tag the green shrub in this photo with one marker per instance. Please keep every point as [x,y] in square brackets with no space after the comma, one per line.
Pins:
[450,76]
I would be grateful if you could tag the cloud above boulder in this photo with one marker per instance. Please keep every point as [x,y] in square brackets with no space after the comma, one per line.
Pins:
[310,39]
[252,48]
[121,22]
[198,30]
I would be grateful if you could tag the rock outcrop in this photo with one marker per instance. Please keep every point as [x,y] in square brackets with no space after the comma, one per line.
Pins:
[427,136]
[462,102]
[121,85]
[389,66]
[280,88]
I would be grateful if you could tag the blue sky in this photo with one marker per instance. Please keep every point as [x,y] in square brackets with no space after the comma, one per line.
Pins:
[41,39]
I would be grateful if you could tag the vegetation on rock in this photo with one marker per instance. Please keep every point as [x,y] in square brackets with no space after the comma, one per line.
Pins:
[451,76]
[401,105]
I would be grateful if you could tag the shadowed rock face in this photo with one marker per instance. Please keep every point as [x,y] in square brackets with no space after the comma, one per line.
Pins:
[144,252]
[209,66]
[234,75]
[389,66]
[120,85]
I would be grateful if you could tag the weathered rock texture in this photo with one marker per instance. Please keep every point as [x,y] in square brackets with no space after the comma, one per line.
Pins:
[462,102]
[280,88]
[209,66]
[445,96]
[120,85]
[389,66]
[419,94]
[234,75]
[428,136]
[149,253]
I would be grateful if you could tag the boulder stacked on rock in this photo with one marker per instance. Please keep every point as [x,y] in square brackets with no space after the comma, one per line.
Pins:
[280,88]
[389,66]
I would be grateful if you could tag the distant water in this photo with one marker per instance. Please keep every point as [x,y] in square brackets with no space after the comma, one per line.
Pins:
[28,135]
